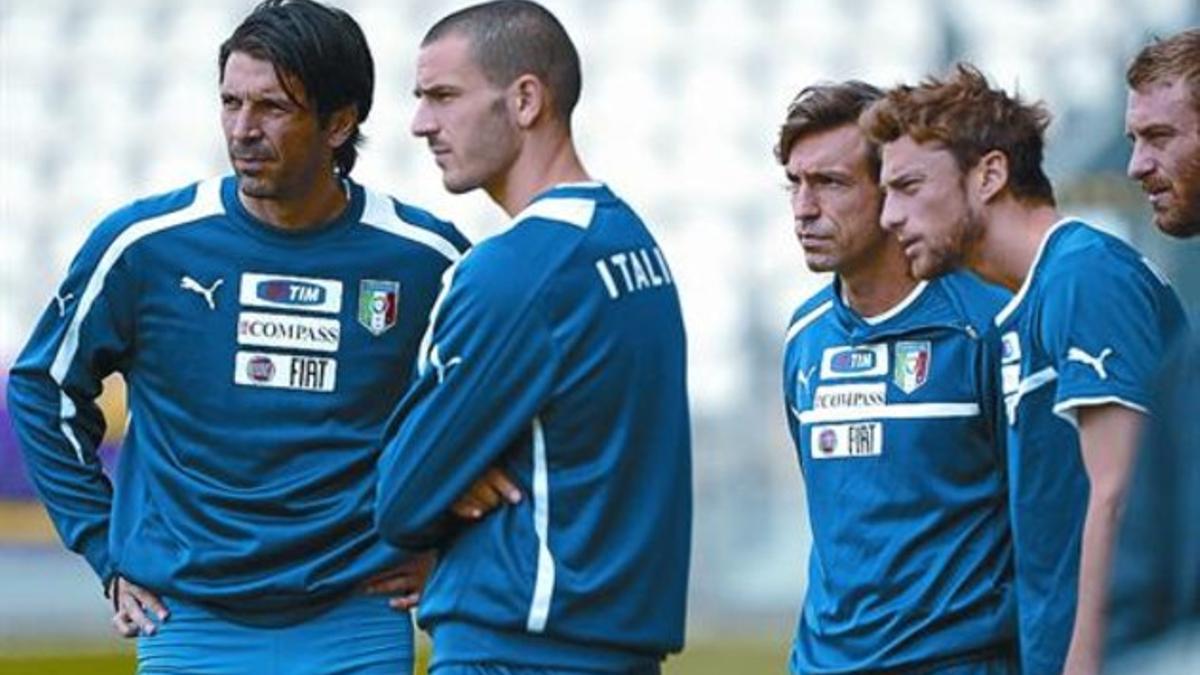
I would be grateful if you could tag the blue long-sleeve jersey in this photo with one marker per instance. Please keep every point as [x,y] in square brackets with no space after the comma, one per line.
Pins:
[261,367]
[1089,326]
[897,424]
[557,352]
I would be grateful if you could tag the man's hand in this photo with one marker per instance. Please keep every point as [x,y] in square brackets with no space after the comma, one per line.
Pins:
[488,492]
[404,581]
[131,605]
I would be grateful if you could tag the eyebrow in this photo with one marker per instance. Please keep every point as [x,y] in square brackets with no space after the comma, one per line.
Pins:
[905,177]
[278,97]
[419,91]
[832,173]
[1156,127]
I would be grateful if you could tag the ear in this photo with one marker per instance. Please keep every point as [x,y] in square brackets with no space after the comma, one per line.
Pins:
[341,126]
[991,175]
[529,99]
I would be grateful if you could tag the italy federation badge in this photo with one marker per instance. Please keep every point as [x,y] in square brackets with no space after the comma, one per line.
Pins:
[378,304]
[912,365]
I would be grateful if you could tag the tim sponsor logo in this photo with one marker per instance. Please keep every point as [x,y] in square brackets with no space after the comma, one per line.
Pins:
[285,371]
[290,292]
[289,331]
[857,361]
[307,294]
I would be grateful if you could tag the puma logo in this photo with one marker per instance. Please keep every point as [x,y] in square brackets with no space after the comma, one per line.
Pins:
[189,284]
[802,376]
[62,301]
[435,359]
[1096,362]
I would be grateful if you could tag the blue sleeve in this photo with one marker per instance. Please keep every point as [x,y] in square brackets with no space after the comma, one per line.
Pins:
[791,408]
[484,371]
[991,392]
[84,335]
[1101,329]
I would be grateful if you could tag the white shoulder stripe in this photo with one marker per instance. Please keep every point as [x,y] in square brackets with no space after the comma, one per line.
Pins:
[425,349]
[66,408]
[380,212]
[1032,383]
[206,203]
[1158,274]
[807,319]
[543,584]
[573,211]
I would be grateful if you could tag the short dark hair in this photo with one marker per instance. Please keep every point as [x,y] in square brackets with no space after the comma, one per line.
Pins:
[511,38]
[823,106]
[1177,56]
[966,115]
[320,46]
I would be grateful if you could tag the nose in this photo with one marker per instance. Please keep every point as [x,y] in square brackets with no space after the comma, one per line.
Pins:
[890,217]
[1140,162]
[805,207]
[423,122]
[243,125]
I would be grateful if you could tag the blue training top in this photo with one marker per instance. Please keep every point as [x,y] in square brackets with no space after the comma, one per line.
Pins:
[261,367]
[896,421]
[1088,327]
[557,352]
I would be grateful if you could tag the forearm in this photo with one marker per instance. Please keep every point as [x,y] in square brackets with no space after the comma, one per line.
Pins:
[1108,443]
[1099,537]
[67,477]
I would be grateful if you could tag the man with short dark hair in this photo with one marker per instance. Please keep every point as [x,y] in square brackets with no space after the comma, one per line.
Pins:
[1082,338]
[893,400]
[266,324]
[556,352]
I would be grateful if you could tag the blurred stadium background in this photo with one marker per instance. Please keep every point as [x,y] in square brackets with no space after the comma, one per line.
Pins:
[102,101]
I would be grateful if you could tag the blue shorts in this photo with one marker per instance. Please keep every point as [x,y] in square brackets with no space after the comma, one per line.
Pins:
[359,635]
[501,669]
[996,665]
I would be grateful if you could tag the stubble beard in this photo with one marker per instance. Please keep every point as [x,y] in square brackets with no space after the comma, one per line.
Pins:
[1183,220]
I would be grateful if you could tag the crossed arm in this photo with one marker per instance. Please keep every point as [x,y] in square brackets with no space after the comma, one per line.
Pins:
[138,611]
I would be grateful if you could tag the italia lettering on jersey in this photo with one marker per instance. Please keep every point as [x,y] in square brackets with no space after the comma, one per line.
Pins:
[605,584]
[634,270]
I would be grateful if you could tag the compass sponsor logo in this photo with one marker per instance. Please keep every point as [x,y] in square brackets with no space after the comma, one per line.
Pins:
[288,331]
[844,396]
